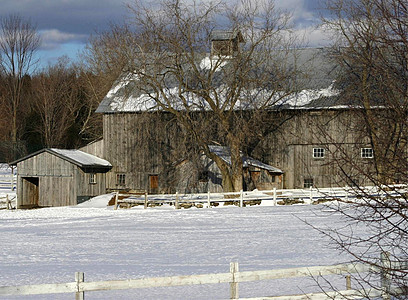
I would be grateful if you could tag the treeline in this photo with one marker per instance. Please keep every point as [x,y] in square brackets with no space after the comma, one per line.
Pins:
[55,109]
[52,106]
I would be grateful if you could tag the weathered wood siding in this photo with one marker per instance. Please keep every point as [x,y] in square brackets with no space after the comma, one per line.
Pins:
[87,189]
[96,148]
[139,146]
[55,180]
[339,132]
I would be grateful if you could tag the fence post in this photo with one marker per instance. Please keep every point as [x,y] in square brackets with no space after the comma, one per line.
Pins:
[116,200]
[176,204]
[12,179]
[208,199]
[348,282]
[8,201]
[274,196]
[234,268]
[385,275]
[241,199]
[145,200]
[311,195]
[79,277]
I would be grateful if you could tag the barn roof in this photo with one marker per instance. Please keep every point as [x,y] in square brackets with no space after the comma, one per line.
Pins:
[247,161]
[125,96]
[76,157]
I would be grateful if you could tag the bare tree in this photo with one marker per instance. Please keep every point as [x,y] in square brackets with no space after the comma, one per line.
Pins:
[18,43]
[55,100]
[371,43]
[219,93]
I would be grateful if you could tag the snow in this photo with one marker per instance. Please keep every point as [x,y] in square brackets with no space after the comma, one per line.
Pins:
[82,158]
[208,63]
[136,102]
[144,102]
[49,245]
[98,201]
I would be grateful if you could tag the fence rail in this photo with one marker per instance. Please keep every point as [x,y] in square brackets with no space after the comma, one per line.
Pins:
[234,277]
[8,182]
[283,196]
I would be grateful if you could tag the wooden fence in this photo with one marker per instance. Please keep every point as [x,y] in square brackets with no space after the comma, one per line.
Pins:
[234,277]
[6,202]
[275,197]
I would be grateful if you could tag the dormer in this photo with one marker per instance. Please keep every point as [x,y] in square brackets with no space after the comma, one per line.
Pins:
[225,42]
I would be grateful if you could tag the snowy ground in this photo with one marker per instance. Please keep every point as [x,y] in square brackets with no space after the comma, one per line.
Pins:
[49,245]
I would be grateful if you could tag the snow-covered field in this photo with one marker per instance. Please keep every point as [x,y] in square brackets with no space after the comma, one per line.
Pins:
[49,245]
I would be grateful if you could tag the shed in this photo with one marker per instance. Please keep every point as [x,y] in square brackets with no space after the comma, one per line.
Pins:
[59,177]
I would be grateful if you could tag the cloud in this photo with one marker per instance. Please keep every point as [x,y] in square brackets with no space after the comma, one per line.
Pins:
[54,38]
[314,36]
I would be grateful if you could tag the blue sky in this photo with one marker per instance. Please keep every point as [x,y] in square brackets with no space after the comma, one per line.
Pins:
[65,25]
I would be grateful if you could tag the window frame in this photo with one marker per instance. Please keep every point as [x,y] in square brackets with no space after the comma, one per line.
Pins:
[121,179]
[308,183]
[367,153]
[92,178]
[319,153]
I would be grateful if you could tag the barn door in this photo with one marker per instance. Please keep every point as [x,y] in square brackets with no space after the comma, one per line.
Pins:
[30,192]
[154,184]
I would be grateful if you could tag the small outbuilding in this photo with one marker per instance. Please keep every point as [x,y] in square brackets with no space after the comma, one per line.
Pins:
[59,177]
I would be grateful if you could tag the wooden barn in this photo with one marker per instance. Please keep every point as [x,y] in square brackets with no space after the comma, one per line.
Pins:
[313,130]
[58,177]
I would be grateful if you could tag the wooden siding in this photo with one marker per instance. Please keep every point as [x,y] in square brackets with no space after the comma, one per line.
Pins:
[87,189]
[60,182]
[290,148]
[139,145]
[95,148]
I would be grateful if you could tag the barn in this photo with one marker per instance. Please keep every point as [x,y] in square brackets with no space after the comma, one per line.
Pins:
[59,177]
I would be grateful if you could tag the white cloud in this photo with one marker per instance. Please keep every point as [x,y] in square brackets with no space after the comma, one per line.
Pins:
[53,38]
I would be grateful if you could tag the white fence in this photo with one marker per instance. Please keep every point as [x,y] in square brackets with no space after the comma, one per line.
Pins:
[274,197]
[234,277]
[8,182]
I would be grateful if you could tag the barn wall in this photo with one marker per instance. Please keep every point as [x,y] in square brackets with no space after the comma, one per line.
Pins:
[146,146]
[142,146]
[95,148]
[87,189]
[339,132]
[56,179]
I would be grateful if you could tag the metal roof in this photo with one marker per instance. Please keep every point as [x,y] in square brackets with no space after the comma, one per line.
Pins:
[76,157]
[247,161]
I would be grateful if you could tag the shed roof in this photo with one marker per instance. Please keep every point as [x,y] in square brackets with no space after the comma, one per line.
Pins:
[247,161]
[76,157]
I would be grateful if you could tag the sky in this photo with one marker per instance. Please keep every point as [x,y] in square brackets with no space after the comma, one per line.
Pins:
[65,25]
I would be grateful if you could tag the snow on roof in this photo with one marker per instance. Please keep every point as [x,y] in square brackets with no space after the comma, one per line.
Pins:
[82,158]
[77,157]
[247,161]
[144,102]
[125,96]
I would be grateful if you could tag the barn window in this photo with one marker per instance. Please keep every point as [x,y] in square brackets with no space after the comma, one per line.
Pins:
[92,178]
[120,179]
[367,153]
[318,152]
[308,183]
